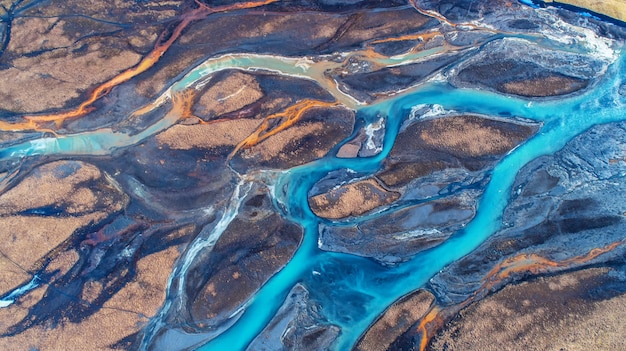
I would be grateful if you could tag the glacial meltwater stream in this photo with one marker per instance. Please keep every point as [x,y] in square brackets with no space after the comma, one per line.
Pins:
[354,290]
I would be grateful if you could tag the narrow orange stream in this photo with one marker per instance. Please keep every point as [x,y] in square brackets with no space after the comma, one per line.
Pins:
[429,324]
[530,263]
[161,46]
[286,118]
[535,264]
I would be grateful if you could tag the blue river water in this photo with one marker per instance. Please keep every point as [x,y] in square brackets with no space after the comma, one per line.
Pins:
[353,290]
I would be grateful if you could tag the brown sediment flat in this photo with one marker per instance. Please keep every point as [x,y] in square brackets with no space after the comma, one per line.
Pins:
[553,313]
[541,87]
[395,321]
[17,311]
[62,262]
[100,331]
[297,139]
[254,246]
[11,275]
[54,57]
[146,293]
[611,8]
[373,24]
[352,199]
[251,253]
[32,298]
[273,147]
[207,136]
[26,239]
[283,31]
[61,184]
[69,70]
[468,141]
[122,315]
[349,150]
[472,136]
[400,234]
[272,26]
[123,11]
[399,174]
[231,93]
[76,188]
[91,291]
[32,34]
[519,77]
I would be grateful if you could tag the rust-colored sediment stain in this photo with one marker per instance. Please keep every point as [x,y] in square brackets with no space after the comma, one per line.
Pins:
[28,125]
[286,119]
[535,264]
[428,326]
[524,263]
[182,102]
[416,36]
[162,44]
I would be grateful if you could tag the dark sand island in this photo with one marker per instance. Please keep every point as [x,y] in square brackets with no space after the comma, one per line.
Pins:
[312,175]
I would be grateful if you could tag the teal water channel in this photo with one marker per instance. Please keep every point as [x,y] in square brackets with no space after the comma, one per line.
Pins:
[353,290]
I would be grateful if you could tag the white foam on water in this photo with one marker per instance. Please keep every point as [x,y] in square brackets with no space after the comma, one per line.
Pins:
[10,299]
[432,110]
[598,46]
[370,132]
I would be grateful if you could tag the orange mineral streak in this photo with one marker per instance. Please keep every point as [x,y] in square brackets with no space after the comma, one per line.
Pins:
[28,125]
[182,103]
[418,36]
[181,108]
[147,62]
[143,110]
[429,324]
[286,119]
[535,264]
[525,263]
